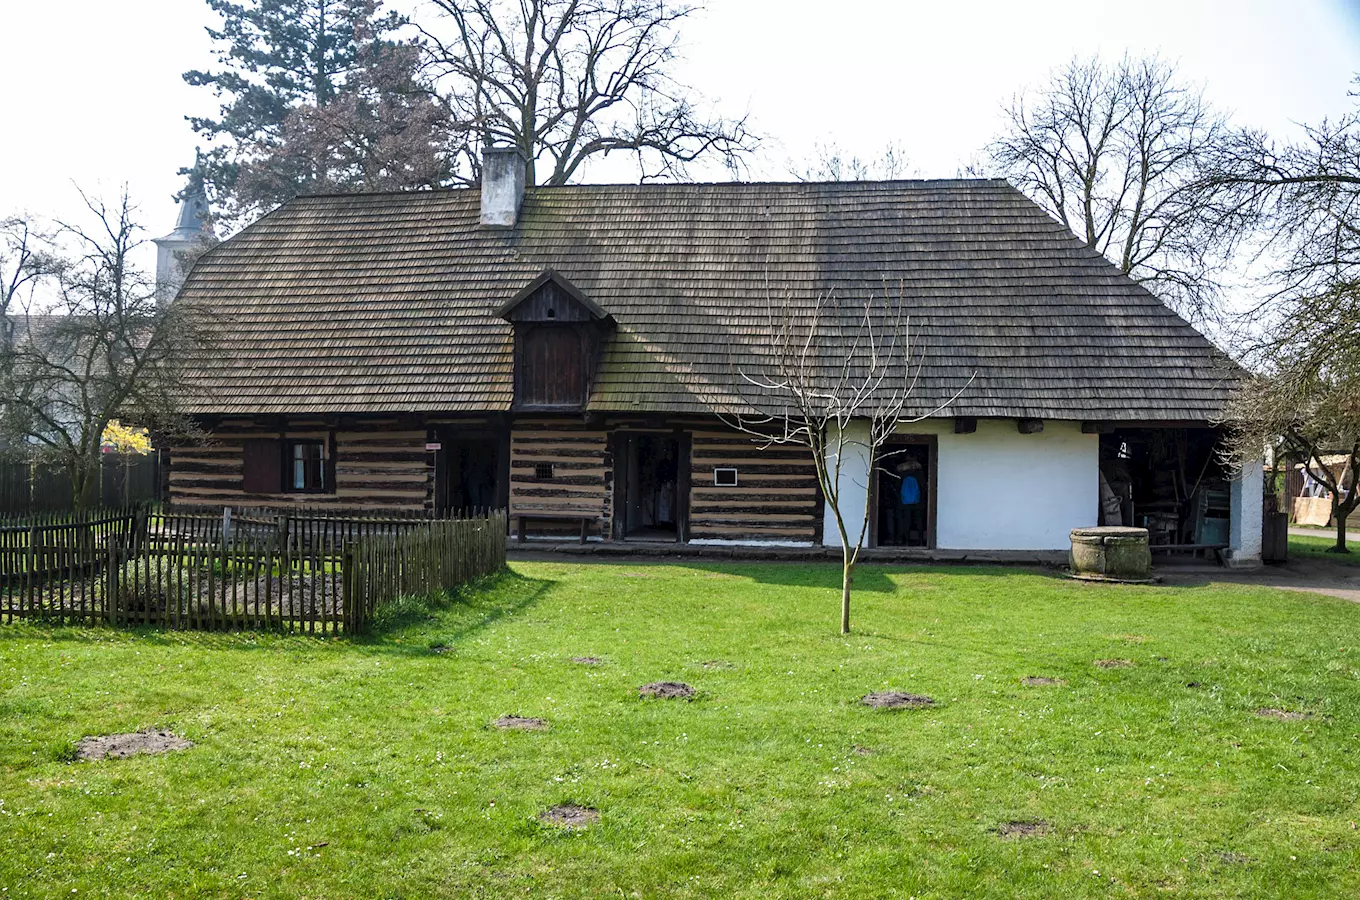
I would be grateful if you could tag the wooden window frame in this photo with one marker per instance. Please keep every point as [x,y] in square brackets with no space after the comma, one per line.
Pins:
[326,478]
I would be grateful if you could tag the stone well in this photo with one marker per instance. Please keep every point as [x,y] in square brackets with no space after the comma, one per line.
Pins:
[1111,553]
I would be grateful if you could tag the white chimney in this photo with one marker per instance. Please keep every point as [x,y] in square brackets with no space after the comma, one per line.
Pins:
[502,186]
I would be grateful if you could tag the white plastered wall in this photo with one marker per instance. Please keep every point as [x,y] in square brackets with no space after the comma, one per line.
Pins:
[1247,512]
[998,489]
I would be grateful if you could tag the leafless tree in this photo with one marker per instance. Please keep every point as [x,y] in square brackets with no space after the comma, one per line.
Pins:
[1312,416]
[26,258]
[1112,151]
[1301,203]
[94,345]
[831,163]
[833,375]
[568,80]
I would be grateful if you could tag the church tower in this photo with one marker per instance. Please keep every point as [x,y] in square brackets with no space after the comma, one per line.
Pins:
[193,232]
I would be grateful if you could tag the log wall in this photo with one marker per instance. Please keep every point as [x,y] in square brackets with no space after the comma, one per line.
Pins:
[379,464]
[776,497]
[582,479]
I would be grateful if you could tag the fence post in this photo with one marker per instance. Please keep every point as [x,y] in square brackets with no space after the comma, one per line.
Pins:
[347,588]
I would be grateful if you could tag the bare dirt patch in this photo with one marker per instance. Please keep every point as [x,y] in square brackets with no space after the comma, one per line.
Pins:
[896,700]
[1282,715]
[1114,663]
[587,660]
[522,723]
[1041,681]
[121,746]
[1023,829]
[569,815]
[863,751]
[1233,859]
[667,690]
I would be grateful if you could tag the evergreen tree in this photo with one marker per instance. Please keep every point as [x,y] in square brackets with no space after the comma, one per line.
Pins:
[287,63]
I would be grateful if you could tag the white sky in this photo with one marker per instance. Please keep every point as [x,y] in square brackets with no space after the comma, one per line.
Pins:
[90,90]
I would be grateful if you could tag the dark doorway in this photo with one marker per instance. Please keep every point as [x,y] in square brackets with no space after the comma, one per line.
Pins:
[904,496]
[651,507]
[470,474]
[1171,481]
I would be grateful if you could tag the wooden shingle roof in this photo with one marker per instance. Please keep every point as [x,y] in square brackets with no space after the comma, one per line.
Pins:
[388,302]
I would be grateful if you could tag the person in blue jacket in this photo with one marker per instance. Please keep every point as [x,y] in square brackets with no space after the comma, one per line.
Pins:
[903,514]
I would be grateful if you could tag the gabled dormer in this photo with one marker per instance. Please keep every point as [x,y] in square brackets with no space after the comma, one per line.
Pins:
[558,335]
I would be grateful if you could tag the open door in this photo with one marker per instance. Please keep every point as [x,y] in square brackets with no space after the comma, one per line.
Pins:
[904,495]
[471,476]
[651,485]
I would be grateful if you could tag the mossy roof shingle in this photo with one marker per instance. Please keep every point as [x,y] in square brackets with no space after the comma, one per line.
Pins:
[386,302]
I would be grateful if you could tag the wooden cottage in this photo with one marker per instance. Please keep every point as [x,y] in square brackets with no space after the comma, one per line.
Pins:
[557,350]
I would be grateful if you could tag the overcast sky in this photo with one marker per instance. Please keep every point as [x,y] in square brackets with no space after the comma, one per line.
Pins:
[91,93]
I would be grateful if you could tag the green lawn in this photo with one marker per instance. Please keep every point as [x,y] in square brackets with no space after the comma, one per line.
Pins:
[1311,547]
[341,769]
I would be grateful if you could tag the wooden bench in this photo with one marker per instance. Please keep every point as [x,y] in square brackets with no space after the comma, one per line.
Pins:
[554,515]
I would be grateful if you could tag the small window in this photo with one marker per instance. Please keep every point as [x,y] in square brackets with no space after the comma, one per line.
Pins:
[725,477]
[543,470]
[305,466]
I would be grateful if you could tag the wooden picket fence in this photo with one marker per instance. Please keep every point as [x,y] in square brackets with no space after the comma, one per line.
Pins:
[311,573]
[438,556]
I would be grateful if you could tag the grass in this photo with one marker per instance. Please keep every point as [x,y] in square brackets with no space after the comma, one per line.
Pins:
[1312,547]
[344,769]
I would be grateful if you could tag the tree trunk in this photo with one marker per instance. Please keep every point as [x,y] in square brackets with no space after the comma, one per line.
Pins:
[84,478]
[1340,514]
[847,576]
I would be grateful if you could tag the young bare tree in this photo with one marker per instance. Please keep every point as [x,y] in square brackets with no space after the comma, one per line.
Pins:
[1112,151]
[833,375]
[565,81]
[93,345]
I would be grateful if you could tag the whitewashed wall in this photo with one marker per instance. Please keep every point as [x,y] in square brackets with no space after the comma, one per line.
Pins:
[1246,517]
[1000,489]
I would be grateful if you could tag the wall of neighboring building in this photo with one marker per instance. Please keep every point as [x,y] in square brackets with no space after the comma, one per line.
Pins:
[379,464]
[998,489]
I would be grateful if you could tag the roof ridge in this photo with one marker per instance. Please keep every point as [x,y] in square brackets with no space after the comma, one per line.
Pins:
[667,185]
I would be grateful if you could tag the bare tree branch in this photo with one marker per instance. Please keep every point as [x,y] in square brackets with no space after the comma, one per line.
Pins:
[565,81]
[1112,151]
[94,346]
